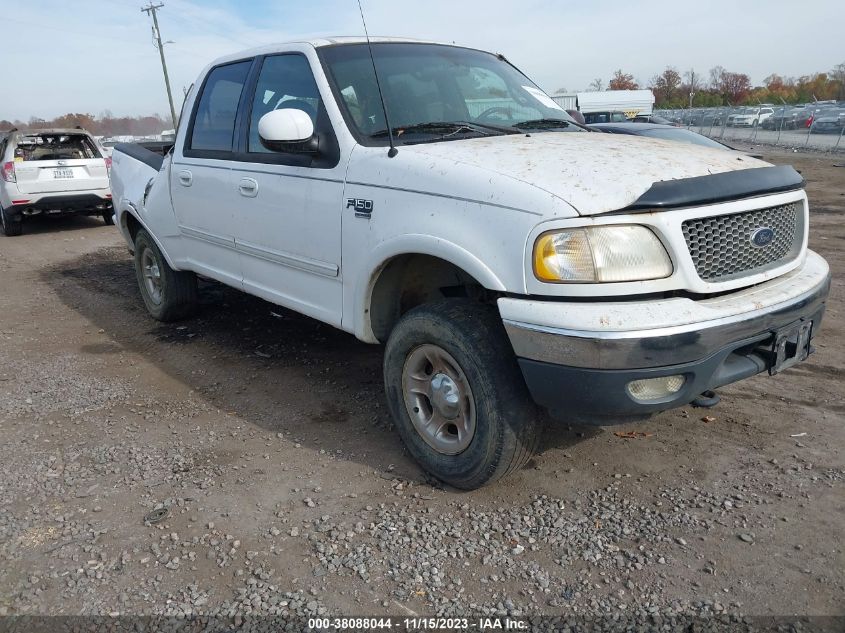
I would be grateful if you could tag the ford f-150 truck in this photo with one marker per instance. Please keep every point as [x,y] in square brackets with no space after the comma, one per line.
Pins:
[433,199]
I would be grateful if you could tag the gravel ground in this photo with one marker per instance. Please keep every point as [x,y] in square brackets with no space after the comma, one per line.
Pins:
[243,463]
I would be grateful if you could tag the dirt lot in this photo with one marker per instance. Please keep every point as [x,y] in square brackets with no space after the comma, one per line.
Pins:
[265,437]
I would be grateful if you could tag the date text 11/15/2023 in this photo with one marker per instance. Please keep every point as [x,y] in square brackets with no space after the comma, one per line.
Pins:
[418,623]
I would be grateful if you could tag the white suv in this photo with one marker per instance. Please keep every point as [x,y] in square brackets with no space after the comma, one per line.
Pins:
[506,256]
[750,117]
[52,171]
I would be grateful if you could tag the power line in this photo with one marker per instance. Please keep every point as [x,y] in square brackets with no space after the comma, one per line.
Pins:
[151,10]
[211,26]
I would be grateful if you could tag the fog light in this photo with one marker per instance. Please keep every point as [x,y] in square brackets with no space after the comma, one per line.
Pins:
[650,389]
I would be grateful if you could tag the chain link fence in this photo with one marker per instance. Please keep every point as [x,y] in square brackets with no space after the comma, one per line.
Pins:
[820,127]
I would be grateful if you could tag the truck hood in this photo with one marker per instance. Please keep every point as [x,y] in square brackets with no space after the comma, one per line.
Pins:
[594,173]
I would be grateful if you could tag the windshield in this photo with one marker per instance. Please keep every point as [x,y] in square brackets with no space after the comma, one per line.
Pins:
[684,136]
[427,84]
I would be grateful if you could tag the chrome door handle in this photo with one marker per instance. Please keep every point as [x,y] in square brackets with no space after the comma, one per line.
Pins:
[248,187]
[186,178]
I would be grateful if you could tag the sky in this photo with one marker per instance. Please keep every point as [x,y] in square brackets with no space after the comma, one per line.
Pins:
[94,56]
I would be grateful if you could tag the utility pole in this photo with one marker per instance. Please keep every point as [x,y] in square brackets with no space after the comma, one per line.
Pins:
[151,10]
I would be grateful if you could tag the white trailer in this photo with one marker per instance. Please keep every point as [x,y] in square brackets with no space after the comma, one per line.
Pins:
[567,101]
[631,102]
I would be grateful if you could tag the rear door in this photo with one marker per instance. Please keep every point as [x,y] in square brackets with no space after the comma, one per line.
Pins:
[59,163]
[201,185]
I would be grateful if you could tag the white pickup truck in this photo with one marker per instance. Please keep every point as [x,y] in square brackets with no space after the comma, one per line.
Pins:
[508,259]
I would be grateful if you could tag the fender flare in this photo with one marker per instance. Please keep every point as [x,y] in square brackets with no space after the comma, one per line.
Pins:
[127,208]
[413,244]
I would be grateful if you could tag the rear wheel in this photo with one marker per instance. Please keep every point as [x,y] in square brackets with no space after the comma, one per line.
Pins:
[12,227]
[169,295]
[457,394]
[108,217]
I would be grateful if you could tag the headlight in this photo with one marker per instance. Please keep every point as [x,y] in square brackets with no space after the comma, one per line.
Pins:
[600,254]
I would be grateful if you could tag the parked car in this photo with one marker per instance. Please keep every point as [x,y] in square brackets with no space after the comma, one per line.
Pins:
[654,130]
[604,117]
[829,122]
[749,117]
[785,118]
[507,259]
[52,172]
[652,118]
[804,117]
[732,117]
[712,118]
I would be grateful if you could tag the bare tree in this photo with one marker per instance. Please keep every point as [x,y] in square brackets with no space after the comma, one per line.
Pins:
[838,74]
[716,77]
[597,85]
[693,84]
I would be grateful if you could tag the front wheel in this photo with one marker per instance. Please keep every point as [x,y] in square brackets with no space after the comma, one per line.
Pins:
[169,294]
[457,394]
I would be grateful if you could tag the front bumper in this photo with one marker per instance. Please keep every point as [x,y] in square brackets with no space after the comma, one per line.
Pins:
[580,357]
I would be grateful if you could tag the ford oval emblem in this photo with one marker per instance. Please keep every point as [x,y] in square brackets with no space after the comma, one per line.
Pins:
[762,237]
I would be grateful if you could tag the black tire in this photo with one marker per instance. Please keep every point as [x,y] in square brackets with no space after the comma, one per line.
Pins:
[11,227]
[108,217]
[177,290]
[507,424]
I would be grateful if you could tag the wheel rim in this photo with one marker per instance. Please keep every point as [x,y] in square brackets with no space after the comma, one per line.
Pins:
[152,275]
[438,399]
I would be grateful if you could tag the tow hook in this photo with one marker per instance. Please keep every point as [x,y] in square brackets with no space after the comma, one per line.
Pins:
[706,400]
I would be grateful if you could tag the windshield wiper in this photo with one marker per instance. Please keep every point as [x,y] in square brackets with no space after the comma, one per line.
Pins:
[543,123]
[448,128]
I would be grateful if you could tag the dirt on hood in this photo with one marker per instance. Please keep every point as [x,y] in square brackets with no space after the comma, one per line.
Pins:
[594,173]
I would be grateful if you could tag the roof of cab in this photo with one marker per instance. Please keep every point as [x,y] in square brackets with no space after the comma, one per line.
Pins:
[319,42]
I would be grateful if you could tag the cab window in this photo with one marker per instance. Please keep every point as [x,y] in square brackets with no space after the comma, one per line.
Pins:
[214,118]
[285,82]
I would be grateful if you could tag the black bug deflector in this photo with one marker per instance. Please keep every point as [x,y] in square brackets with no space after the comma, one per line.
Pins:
[732,185]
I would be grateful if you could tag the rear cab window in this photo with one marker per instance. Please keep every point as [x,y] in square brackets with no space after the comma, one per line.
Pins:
[213,125]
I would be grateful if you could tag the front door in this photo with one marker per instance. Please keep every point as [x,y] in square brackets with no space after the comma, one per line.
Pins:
[290,203]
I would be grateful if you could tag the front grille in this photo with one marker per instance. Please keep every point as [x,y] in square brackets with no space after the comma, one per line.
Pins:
[721,246]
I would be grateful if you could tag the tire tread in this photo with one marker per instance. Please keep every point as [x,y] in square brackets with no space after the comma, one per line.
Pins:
[11,228]
[478,327]
[180,294]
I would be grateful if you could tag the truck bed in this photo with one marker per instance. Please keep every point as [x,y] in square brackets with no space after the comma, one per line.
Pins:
[134,168]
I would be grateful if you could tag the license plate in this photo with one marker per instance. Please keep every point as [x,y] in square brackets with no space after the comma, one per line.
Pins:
[62,173]
[791,346]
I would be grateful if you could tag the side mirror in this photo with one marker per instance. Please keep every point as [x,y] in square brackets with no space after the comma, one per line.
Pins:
[287,130]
